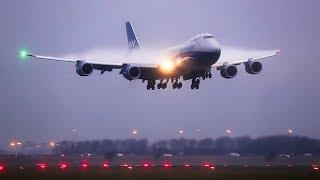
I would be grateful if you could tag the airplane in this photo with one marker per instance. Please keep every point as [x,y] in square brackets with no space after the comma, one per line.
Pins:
[192,60]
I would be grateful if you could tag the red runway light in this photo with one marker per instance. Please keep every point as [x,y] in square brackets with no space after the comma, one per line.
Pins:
[167,165]
[84,165]
[146,165]
[42,166]
[212,167]
[315,167]
[187,165]
[1,168]
[105,165]
[206,165]
[63,166]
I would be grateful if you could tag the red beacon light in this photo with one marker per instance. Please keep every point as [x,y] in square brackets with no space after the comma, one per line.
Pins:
[315,167]
[187,165]
[146,165]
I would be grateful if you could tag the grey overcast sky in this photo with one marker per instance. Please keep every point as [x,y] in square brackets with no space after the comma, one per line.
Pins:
[44,101]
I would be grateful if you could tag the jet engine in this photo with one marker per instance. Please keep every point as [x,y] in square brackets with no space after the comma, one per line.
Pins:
[228,71]
[84,69]
[253,67]
[132,72]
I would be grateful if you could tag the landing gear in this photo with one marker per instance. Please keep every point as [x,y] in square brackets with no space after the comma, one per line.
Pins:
[151,84]
[162,84]
[195,83]
[206,75]
[176,84]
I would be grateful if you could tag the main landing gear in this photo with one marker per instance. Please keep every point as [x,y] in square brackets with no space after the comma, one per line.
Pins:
[176,83]
[195,83]
[151,84]
[163,84]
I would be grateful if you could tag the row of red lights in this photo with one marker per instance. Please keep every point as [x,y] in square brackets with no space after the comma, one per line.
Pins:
[63,166]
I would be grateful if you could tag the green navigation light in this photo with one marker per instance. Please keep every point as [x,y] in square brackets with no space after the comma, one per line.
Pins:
[23,54]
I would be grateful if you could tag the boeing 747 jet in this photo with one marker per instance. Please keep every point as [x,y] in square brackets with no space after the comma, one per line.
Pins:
[192,60]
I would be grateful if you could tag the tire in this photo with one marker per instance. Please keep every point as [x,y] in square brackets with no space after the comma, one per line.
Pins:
[198,81]
[197,86]
[164,86]
[159,86]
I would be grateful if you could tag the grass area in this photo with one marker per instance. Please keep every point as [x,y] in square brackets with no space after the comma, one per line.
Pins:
[161,173]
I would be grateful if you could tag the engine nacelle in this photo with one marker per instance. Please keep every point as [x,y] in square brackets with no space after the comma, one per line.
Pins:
[253,67]
[132,72]
[84,69]
[228,71]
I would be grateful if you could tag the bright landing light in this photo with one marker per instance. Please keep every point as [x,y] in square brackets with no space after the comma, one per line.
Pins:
[167,66]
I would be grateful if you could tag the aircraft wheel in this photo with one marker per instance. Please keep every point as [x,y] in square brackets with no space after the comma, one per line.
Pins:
[180,85]
[174,85]
[159,86]
[164,86]
[197,86]
[192,86]
[198,81]
[210,75]
[148,87]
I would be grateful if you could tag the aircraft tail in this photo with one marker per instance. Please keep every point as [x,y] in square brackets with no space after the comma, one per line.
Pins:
[133,42]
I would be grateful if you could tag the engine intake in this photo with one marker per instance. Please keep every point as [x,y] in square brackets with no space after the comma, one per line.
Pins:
[253,67]
[132,72]
[84,69]
[228,71]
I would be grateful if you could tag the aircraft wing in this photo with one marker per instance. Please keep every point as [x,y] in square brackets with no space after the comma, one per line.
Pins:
[99,65]
[238,62]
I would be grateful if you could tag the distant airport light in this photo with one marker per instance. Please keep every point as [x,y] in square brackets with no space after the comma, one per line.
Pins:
[19,143]
[52,144]
[187,165]
[212,167]
[228,131]
[130,167]
[12,144]
[1,167]
[207,165]
[181,132]
[315,167]
[21,168]
[290,131]
[135,132]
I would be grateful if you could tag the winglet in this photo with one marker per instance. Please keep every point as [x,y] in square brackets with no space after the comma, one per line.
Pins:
[133,42]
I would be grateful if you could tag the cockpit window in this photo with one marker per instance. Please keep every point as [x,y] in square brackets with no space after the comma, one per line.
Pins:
[207,37]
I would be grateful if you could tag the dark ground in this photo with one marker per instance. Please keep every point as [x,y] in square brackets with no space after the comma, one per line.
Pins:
[251,167]
[162,173]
